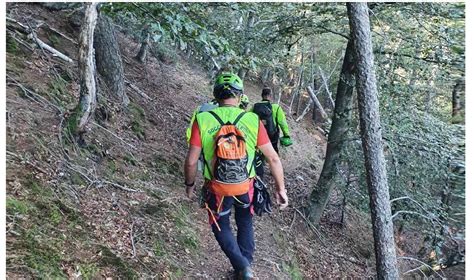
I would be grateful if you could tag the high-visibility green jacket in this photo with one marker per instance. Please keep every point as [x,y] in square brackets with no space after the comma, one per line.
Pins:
[202,108]
[279,117]
[209,126]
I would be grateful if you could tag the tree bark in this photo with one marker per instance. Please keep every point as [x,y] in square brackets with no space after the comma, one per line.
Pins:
[88,91]
[108,58]
[339,128]
[371,133]
[328,92]
[315,108]
[317,103]
[248,30]
[141,55]
[457,101]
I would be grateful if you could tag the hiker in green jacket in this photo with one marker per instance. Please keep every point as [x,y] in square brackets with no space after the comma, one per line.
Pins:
[244,102]
[274,119]
[208,106]
[228,137]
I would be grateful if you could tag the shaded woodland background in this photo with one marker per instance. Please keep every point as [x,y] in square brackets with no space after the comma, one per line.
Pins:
[103,199]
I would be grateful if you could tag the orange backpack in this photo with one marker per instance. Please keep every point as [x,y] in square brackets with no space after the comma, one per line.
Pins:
[230,176]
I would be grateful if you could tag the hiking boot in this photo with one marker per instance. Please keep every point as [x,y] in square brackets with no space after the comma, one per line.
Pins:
[244,274]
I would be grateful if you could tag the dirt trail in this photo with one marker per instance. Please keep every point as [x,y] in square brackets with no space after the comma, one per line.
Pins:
[156,232]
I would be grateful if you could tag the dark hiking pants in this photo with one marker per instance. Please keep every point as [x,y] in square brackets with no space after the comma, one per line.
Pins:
[274,141]
[239,250]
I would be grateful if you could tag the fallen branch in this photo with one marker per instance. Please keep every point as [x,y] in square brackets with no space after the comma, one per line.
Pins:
[23,160]
[425,264]
[21,42]
[316,102]
[116,136]
[272,262]
[136,89]
[134,250]
[31,34]
[414,213]
[118,186]
[27,92]
[61,34]
[325,83]
[308,106]
[311,226]
[47,47]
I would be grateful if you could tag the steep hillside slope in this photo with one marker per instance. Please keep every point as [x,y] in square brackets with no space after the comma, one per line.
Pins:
[114,206]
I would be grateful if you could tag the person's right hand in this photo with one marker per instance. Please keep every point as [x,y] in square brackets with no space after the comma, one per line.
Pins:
[281,198]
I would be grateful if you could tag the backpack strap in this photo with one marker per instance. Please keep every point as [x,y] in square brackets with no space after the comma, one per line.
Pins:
[216,117]
[276,117]
[238,118]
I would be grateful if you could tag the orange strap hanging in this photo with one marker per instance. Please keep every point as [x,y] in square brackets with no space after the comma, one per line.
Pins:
[212,215]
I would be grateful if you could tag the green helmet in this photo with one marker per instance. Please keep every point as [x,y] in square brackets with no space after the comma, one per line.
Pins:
[244,101]
[228,84]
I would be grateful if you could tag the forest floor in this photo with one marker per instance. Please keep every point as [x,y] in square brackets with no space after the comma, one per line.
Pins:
[114,207]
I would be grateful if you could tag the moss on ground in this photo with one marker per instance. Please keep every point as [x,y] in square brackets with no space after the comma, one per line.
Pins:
[138,118]
[111,259]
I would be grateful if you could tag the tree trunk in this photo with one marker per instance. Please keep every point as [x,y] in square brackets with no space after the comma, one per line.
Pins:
[337,134]
[248,31]
[141,55]
[315,108]
[457,101]
[300,83]
[317,103]
[371,133]
[88,91]
[326,86]
[108,58]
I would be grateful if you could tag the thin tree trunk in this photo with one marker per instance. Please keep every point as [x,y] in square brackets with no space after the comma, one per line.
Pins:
[108,58]
[371,133]
[248,31]
[141,55]
[340,126]
[457,101]
[88,91]
[317,103]
[315,108]
[300,82]
[328,92]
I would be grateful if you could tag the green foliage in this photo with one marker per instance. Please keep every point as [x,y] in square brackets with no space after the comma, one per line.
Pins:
[130,159]
[43,255]
[77,179]
[72,122]
[111,167]
[54,39]
[88,271]
[165,165]
[187,236]
[293,270]
[159,247]
[39,244]
[165,53]
[137,115]
[15,206]
[57,91]
[111,259]
[12,45]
